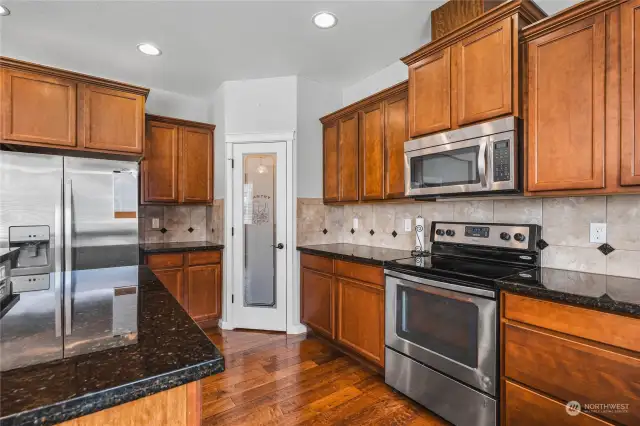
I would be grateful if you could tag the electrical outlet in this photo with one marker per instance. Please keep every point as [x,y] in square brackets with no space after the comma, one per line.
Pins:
[407,225]
[355,223]
[598,233]
[155,223]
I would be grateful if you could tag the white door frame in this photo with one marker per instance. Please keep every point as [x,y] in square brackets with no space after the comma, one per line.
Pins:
[292,284]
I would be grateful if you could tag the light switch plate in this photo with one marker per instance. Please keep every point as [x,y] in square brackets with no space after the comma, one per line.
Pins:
[407,225]
[355,223]
[598,233]
[155,223]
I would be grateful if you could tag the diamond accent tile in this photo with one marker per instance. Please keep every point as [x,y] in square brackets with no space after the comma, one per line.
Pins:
[324,231]
[371,232]
[394,233]
[163,230]
[542,244]
[352,231]
[606,249]
[190,229]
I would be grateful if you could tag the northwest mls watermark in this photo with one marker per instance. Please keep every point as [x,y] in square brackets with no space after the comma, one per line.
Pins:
[574,408]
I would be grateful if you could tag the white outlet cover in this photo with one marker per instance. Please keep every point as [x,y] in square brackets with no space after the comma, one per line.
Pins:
[598,233]
[155,223]
[407,225]
[355,223]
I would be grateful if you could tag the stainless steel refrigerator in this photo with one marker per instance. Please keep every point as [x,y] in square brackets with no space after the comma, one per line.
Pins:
[75,223]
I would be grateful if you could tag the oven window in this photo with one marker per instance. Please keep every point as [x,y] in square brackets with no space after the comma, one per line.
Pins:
[454,167]
[440,324]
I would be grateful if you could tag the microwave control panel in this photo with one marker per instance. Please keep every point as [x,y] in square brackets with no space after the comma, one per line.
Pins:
[501,161]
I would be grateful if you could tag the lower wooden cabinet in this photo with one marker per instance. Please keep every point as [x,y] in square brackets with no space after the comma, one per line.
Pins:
[194,279]
[344,301]
[552,367]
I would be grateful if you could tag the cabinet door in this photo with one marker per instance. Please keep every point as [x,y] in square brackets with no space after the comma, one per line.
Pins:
[204,292]
[484,73]
[111,120]
[348,158]
[360,322]
[330,167]
[396,133]
[173,280]
[630,80]
[317,301]
[160,165]
[372,152]
[566,115]
[196,165]
[430,94]
[38,108]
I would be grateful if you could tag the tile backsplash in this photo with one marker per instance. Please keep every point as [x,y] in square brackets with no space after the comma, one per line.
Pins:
[176,223]
[565,226]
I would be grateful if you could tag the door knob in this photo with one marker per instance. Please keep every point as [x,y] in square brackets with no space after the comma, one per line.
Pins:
[279,246]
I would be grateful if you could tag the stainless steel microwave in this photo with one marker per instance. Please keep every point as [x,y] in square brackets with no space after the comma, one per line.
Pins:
[478,159]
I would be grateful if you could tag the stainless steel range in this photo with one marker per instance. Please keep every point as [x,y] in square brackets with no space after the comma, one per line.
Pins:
[441,313]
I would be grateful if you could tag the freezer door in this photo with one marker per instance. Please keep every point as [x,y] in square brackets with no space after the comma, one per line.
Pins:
[31,195]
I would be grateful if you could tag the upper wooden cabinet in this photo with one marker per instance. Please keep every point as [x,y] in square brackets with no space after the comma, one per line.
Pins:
[178,161]
[364,148]
[582,101]
[471,74]
[53,108]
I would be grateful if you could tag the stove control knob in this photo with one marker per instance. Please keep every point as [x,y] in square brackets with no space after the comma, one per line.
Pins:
[440,232]
[519,237]
[450,232]
[505,236]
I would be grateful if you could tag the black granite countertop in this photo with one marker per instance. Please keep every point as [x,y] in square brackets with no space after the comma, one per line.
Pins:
[129,338]
[356,253]
[604,292]
[180,246]
[6,254]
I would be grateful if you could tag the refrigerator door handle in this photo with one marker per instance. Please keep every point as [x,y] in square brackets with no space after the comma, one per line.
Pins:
[68,223]
[57,273]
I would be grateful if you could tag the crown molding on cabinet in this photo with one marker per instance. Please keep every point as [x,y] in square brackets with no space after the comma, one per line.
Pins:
[179,121]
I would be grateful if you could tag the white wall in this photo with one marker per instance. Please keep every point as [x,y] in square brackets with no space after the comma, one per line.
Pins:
[386,77]
[171,104]
[217,114]
[314,101]
[264,105]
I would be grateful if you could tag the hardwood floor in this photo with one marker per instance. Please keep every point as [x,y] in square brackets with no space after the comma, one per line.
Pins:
[275,379]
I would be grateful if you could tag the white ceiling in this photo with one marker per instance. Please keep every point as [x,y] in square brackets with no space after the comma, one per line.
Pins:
[207,42]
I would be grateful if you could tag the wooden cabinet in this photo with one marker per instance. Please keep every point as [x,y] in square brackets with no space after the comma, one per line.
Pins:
[630,102]
[484,68]
[110,120]
[581,108]
[364,148]
[471,74]
[38,108]
[178,162]
[555,355]
[344,301]
[396,133]
[430,94]
[360,318]
[53,108]
[348,158]
[194,279]
[372,152]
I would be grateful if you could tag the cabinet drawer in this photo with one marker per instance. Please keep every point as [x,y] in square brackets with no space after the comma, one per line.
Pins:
[318,263]
[573,370]
[203,257]
[357,271]
[164,260]
[524,407]
[621,331]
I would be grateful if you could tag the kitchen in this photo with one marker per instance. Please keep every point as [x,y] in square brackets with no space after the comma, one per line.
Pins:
[451,240]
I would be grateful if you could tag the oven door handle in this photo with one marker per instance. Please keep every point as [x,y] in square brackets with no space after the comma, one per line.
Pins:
[410,279]
[482,162]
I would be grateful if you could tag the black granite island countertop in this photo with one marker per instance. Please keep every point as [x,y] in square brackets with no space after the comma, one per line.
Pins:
[129,338]
[356,253]
[603,292]
[7,254]
[150,248]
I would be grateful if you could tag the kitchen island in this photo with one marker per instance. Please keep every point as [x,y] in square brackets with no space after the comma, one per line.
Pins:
[126,354]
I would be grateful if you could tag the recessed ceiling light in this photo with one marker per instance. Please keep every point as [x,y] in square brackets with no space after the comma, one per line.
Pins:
[4,11]
[149,49]
[324,20]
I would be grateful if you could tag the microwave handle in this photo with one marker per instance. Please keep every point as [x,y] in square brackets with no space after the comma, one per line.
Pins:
[482,162]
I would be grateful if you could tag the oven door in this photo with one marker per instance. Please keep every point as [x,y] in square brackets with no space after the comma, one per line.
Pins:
[445,326]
